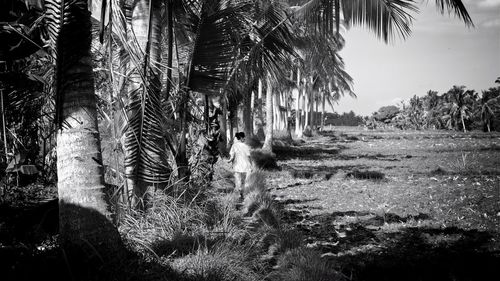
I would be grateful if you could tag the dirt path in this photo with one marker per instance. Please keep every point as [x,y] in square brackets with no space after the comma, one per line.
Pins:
[396,206]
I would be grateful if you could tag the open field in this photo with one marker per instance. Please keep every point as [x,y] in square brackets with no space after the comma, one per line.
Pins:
[349,205]
[396,205]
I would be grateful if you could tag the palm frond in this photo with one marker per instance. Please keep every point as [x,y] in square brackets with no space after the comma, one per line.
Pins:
[457,7]
[270,42]
[217,26]
[385,18]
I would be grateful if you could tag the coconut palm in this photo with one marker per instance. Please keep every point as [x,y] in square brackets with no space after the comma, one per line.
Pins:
[265,53]
[84,215]
[144,144]
[490,107]
[458,107]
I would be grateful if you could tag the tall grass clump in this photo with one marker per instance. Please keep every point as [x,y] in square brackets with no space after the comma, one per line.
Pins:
[223,262]
[166,219]
[303,264]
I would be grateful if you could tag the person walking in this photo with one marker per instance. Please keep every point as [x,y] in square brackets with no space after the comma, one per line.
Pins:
[239,156]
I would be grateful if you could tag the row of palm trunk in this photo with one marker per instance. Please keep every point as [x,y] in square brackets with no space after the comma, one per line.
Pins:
[86,222]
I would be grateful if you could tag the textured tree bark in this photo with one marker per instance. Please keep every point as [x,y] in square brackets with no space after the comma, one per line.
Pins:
[247,115]
[307,109]
[463,123]
[260,114]
[268,142]
[145,22]
[85,219]
[298,131]
[323,100]
[313,103]
[252,112]
[223,126]
[276,112]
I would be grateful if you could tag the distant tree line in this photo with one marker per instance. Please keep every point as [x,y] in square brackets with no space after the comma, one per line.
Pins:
[333,119]
[458,109]
[345,119]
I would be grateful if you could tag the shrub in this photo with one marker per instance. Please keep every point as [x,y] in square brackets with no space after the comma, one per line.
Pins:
[166,219]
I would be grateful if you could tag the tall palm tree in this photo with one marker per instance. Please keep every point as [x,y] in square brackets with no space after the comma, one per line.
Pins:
[144,143]
[84,215]
[458,106]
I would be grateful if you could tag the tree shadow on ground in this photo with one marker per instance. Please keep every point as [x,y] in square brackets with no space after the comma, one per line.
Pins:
[321,171]
[306,152]
[30,249]
[382,246]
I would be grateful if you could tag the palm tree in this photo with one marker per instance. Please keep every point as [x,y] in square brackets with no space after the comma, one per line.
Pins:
[458,105]
[144,143]
[84,215]
[266,53]
[489,107]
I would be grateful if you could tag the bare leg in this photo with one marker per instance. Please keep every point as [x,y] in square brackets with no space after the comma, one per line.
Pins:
[238,178]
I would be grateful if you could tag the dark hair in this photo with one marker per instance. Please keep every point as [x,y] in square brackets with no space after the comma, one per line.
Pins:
[240,135]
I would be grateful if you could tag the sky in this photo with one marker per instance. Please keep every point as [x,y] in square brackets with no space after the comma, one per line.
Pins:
[440,52]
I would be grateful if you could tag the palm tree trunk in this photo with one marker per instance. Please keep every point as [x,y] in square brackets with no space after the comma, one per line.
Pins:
[298,129]
[313,104]
[463,123]
[147,29]
[260,113]
[297,112]
[4,126]
[85,219]
[223,127]
[247,115]
[307,109]
[170,42]
[323,100]
[303,112]
[276,112]
[268,142]
[252,111]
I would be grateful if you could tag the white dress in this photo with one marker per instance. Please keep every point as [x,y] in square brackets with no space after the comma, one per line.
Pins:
[240,154]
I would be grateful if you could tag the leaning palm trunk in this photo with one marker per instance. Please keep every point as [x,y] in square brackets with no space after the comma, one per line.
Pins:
[463,123]
[268,142]
[145,157]
[85,219]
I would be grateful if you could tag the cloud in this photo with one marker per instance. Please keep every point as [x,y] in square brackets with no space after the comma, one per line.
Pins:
[491,23]
[489,3]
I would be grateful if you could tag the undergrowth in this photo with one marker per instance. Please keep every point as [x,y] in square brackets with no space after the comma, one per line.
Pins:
[217,237]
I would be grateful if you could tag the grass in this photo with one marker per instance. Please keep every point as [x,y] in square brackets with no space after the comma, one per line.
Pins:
[346,213]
